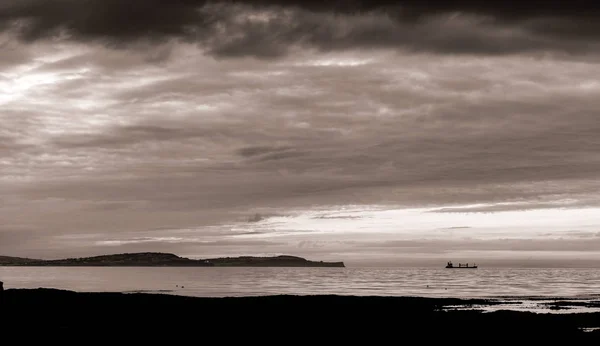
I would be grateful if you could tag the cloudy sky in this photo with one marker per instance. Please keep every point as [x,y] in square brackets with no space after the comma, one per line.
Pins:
[383,132]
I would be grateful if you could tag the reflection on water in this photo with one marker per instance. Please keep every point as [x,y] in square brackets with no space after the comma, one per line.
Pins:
[537,305]
[221,282]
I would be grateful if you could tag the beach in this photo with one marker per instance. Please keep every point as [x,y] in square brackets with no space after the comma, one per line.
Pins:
[65,314]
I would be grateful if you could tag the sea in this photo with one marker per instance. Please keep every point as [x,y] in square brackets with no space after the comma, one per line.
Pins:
[524,289]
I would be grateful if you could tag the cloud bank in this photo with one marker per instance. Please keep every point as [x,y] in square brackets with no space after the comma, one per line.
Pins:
[168,125]
[269,29]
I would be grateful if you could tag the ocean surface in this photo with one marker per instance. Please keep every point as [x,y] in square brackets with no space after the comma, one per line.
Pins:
[530,288]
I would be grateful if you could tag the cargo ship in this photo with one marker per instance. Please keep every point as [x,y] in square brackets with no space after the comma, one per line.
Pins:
[461,266]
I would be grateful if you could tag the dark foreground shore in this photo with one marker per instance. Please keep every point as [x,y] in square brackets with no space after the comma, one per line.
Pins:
[52,314]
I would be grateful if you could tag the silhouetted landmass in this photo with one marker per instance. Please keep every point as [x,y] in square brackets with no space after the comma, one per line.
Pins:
[158,259]
[283,319]
[15,260]
[278,261]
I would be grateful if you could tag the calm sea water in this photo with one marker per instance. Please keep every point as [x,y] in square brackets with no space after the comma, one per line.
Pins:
[221,282]
[515,289]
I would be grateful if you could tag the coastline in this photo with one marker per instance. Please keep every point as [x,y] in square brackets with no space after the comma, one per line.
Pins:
[338,317]
[161,259]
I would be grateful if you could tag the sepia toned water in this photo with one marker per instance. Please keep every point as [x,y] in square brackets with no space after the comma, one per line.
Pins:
[505,283]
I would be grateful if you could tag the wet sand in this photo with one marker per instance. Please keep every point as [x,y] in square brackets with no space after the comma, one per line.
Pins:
[142,316]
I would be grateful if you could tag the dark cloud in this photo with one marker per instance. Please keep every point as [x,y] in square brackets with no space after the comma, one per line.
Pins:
[9,236]
[281,156]
[509,207]
[444,33]
[240,162]
[12,54]
[110,20]
[225,29]
[129,135]
[198,243]
[338,217]
[8,144]
[257,151]
[582,234]
[26,242]
[256,218]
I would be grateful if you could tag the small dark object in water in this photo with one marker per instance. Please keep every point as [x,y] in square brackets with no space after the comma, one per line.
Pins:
[461,265]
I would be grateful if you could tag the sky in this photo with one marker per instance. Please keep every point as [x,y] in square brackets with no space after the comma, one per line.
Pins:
[375,133]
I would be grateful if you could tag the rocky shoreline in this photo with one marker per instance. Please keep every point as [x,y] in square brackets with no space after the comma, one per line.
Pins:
[337,318]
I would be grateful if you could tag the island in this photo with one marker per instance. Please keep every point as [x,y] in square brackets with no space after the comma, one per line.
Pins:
[159,259]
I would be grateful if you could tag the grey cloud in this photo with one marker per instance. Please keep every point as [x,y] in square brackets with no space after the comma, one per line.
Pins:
[515,245]
[223,30]
[554,27]
[9,144]
[444,33]
[266,153]
[460,142]
[308,244]
[103,19]
[29,242]
[241,243]
[135,134]
[281,156]
[510,153]
[255,151]
[12,55]
[580,234]
[510,207]
[338,217]
[246,233]
[107,63]
[9,236]
[256,218]
[198,243]
[198,249]
[478,130]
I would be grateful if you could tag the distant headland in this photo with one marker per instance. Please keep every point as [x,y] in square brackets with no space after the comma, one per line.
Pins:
[159,259]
